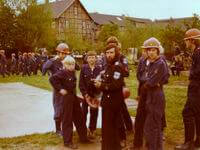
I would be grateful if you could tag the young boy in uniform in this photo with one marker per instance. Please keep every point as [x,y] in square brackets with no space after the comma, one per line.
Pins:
[64,81]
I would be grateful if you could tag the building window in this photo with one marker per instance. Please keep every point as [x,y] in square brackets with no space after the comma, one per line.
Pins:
[75,10]
[84,25]
[66,23]
[88,26]
[59,26]
[53,25]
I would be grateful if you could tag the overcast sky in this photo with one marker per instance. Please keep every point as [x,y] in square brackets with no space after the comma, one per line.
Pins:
[151,9]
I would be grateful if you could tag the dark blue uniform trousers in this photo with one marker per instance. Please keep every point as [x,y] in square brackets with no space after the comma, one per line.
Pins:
[110,129]
[140,120]
[93,115]
[72,113]
[191,113]
[126,122]
[58,108]
[126,117]
[154,121]
[57,105]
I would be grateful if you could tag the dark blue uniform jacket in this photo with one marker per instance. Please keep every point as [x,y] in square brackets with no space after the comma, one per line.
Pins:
[86,84]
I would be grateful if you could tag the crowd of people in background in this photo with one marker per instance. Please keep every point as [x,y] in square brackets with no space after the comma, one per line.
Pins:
[180,62]
[24,64]
[27,64]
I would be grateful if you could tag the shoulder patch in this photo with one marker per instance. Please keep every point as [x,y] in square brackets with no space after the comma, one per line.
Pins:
[116,75]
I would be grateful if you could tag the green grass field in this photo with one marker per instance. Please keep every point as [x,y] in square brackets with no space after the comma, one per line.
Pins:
[175,93]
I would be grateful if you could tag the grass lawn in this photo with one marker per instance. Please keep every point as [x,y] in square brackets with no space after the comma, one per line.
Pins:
[175,93]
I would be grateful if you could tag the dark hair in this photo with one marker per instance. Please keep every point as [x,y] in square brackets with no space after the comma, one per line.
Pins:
[197,42]
[113,45]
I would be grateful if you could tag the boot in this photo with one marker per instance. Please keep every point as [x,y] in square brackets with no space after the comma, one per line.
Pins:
[186,146]
[71,145]
[58,128]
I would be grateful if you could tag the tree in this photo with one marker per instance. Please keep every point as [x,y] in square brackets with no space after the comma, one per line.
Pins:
[8,26]
[25,25]
[130,37]
[195,23]
[35,27]
[133,36]
[107,31]
[172,34]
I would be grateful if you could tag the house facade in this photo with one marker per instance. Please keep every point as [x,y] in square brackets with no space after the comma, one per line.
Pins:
[70,17]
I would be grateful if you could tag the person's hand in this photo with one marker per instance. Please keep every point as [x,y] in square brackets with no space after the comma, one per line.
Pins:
[97,83]
[87,97]
[63,92]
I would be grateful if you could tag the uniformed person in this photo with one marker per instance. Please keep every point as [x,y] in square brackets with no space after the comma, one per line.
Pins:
[43,58]
[13,64]
[141,113]
[20,63]
[25,65]
[123,63]
[111,85]
[64,82]
[141,69]
[35,64]
[4,63]
[157,75]
[101,60]
[54,65]
[38,62]
[30,63]
[191,111]
[88,73]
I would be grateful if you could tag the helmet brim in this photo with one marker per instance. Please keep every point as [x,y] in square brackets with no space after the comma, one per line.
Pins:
[65,51]
[193,37]
[146,47]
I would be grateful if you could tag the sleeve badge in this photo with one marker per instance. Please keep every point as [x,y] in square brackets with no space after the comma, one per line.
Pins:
[116,75]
